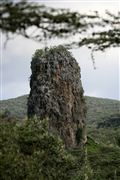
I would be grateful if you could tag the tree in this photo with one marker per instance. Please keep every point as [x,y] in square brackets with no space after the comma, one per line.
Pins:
[19,17]
[30,151]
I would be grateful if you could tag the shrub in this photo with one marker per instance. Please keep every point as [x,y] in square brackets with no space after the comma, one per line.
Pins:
[29,151]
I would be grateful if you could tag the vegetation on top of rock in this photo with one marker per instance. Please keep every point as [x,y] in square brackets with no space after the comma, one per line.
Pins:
[47,51]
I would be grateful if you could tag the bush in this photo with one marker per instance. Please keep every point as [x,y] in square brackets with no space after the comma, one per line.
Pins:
[29,151]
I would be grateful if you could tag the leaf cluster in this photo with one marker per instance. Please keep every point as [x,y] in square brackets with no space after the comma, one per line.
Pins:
[41,23]
[30,151]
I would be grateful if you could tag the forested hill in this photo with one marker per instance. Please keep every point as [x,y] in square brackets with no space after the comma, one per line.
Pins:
[98,109]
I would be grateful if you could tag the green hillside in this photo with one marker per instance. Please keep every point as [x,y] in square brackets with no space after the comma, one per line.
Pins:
[102,116]
[100,112]
[103,146]
[16,106]
[98,109]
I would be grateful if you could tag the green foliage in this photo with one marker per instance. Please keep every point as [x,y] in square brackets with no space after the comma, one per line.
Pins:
[99,109]
[17,107]
[30,151]
[86,172]
[47,51]
[45,151]
[104,160]
[38,53]
[16,17]
[92,146]
[11,162]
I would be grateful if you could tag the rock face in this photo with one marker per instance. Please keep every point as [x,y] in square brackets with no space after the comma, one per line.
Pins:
[57,93]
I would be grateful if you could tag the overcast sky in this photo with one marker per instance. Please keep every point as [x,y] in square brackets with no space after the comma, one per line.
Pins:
[102,82]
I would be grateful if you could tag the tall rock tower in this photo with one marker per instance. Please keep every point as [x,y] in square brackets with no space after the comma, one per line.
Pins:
[57,93]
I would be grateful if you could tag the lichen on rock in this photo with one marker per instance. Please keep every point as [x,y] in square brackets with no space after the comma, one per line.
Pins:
[57,93]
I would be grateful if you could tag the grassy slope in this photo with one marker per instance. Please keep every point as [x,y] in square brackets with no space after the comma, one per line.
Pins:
[16,106]
[104,160]
[98,108]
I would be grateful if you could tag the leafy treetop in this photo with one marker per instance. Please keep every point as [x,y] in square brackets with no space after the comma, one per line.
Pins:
[40,23]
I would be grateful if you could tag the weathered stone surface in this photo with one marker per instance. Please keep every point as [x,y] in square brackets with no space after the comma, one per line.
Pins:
[57,93]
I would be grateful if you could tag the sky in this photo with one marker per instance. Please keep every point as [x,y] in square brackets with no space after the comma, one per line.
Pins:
[16,57]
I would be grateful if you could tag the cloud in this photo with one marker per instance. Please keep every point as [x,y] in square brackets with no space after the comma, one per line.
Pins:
[14,89]
[84,6]
[102,82]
